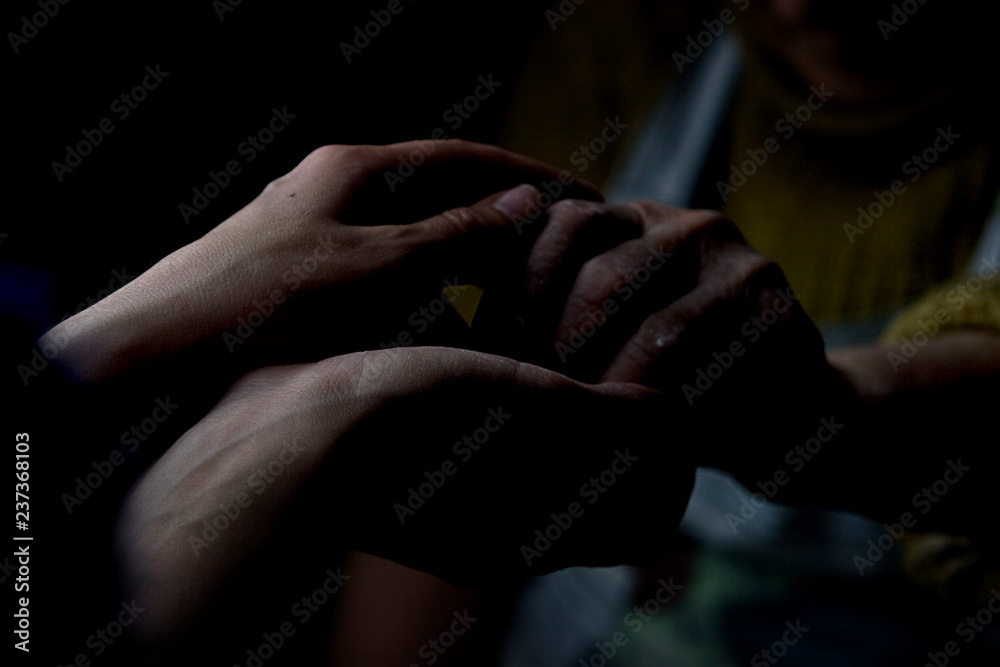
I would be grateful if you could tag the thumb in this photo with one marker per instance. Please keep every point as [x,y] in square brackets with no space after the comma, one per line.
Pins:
[485,247]
[489,239]
[518,210]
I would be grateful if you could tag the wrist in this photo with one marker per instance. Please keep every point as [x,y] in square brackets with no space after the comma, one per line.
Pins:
[90,346]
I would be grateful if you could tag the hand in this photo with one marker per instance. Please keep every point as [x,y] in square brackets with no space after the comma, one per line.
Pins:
[327,257]
[677,300]
[465,465]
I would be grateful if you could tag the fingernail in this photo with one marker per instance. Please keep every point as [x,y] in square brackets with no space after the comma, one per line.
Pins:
[520,202]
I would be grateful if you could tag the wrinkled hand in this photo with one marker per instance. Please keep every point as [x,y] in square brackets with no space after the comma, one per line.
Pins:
[678,301]
[327,258]
[466,465]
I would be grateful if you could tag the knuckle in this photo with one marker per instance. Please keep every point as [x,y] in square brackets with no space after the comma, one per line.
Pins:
[713,235]
[461,144]
[265,381]
[652,207]
[326,153]
[356,374]
[464,226]
[568,216]
[712,225]
[741,268]
[572,209]
[337,159]
[758,269]
[656,213]
[691,223]
[325,162]
[326,157]
[752,276]
[281,182]
[462,219]
[600,270]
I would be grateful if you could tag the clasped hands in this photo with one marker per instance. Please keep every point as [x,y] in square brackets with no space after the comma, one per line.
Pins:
[572,395]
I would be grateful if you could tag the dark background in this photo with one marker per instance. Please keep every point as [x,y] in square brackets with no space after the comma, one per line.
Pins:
[225,76]
[118,211]
[64,241]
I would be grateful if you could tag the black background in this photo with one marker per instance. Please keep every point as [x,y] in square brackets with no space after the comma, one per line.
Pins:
[118,211]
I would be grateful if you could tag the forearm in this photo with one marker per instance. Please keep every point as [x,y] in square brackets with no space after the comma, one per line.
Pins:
[923,439]
[244,463]
[949,361]
[184,299]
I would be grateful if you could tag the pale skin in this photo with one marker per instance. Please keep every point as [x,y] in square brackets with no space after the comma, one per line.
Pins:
[353,422]
[329,233]
[620,389]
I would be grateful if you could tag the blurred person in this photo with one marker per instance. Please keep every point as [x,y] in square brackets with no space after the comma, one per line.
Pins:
[853,144]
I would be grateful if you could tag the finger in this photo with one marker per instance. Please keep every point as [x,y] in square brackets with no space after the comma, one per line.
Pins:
[411,181]
[452,279]
[475,522]
[727,346]
[457,155]
[610,295]
[474,258]
[669,344]
[614,292]
[484,244]
[574,232]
